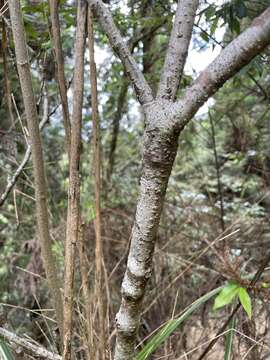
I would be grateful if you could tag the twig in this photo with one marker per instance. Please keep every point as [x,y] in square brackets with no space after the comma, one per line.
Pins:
[7,85]
[34,349]
[88,321]
[220,192]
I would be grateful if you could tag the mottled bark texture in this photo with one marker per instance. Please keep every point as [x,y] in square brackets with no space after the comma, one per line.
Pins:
[73,215]
[231,59]
[158,153]
[178,48]
[38,164]
[165,119]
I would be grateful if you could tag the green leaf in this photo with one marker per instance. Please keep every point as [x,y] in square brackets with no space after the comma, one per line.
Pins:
[245,301]
[236,26]
[214,25]
[5,353]
[204,36]
[229,340]
[265,285]
[226,295]
[209,12]
[157,339]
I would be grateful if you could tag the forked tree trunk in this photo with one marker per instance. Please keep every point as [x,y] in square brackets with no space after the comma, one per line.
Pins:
[165,119]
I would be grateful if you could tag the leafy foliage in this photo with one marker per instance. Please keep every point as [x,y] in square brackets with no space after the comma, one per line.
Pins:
[229,293]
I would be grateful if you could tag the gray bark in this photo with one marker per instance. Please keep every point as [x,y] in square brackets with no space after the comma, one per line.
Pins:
[165,120]
[178,48]
[164,123]
[141,87]
[159,150]
[231,59]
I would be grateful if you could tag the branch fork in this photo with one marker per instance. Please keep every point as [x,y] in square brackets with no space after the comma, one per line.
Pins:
[165,118]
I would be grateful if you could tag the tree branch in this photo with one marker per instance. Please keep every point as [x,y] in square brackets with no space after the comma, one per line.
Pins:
[164,121]
[36,350]
[141,87]
[7,84]
[231,59]
[73,215]
[178,48]
[59,59]
[99,275]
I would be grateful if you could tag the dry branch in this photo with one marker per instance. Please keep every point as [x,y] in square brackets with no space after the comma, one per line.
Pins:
[73,215]
[59,59]
[99,278]
[26,344]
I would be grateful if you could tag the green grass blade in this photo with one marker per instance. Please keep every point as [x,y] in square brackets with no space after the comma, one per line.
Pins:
[171,325]
[5,353]
[229,340]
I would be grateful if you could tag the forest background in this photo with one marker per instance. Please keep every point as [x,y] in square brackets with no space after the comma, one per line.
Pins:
[214,228]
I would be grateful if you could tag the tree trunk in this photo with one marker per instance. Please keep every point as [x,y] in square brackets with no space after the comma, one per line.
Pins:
[165,119]
[38,163]
[158,154]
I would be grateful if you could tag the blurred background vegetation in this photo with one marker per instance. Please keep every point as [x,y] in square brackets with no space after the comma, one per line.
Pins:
[219,186]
